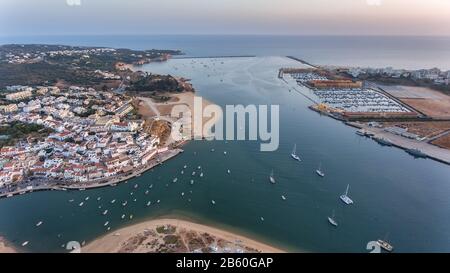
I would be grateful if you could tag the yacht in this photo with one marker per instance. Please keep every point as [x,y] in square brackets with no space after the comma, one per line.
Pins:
[213,202]
[201,174]
[383,141]
[39,223]
[175,180]
[319,171]
[416,153]
[271,178]
[124,203]
[385,245]
[228,171]
[294,153]
[283,197]
[106,223]
[25,243]
[81,204]
[149,203]
[123,216]
[332,221]
[345,197]
[105,212]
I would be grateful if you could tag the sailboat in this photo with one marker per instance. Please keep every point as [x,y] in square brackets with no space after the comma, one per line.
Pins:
[385,245]
[345,197]
[271,178]
[319,171]
[294,153]
[332,221]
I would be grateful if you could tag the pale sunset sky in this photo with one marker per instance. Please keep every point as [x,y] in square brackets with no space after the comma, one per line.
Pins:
[285,17]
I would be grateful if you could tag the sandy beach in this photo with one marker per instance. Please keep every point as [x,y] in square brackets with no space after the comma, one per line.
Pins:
[175,236]
[5,247]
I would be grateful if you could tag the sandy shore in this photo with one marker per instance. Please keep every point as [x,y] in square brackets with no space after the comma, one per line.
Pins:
[5,247]
[142,237]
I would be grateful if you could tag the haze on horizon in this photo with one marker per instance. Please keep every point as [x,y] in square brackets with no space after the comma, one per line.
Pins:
[286,17]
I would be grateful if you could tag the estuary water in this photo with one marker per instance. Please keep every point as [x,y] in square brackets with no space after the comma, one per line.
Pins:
[396,196]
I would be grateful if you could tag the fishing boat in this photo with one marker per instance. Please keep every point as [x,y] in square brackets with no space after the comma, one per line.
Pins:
[193,173]
[113,201]
[199,167]
[123,216]
[212,150]
[175,180]
[131,216]
[319,171]
[416,153]
[39,223]
[135,186]
[201,174]
[9,195]
[151,186]
[149,203]
[182,172]
[182,194]
[383,141]
[106,223]
[124,203]
[213,202]
[25,243]
[332,221]
[283,197]
[225,152]
[228,171]
[87,198]
[81,204]
[99,198]
[71,200]
[271,178]
[345,197]
[192,182]
[185,166]
[262,218]
[158,201]
[134,200]
[294,153]
[105,212]
[146,192]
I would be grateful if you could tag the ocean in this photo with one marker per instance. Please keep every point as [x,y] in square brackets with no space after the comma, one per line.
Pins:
[396,196]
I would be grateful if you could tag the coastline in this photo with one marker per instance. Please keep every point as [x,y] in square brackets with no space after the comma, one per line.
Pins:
[5,247]
[113,242]
[109,182]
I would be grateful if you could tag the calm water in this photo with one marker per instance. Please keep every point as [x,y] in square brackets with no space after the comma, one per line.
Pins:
[394,194]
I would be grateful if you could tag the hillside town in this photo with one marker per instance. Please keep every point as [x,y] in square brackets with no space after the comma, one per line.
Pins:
[94,136]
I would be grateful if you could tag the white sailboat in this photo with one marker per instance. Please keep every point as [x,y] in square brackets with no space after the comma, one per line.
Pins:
[347,200]
[294,153]
[271,178]
[319,171]
[332,221]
